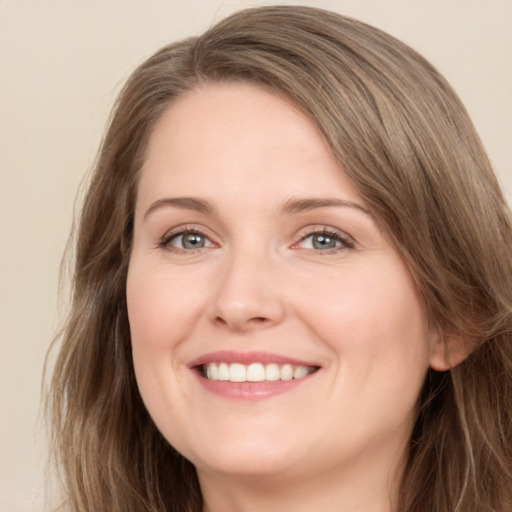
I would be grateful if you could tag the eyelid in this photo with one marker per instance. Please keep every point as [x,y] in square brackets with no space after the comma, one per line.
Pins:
[347,242]
[164,241]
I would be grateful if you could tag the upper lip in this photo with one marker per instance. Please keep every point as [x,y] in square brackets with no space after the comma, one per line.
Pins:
[229,356]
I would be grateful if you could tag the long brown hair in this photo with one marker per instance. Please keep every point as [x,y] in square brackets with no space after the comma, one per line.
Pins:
[408,145]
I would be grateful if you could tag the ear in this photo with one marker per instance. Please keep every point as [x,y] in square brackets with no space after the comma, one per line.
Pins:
[448,351]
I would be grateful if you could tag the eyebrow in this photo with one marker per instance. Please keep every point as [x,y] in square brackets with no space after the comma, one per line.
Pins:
[291,206]
[306,204]
[186,203]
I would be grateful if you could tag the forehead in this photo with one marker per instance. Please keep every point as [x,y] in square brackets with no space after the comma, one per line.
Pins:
[227,135]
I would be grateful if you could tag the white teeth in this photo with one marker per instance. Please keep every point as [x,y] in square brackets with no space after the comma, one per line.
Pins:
[223,371]
[299,372]
[214,372]
[255,372]
[286,372]
[237,372]
[272,372]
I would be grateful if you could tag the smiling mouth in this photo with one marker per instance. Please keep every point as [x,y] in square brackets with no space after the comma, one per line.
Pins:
[254,372]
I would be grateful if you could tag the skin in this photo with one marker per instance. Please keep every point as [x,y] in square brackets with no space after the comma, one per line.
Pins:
[337,440]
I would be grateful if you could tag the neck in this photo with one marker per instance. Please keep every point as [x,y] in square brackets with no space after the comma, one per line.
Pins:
[354,488]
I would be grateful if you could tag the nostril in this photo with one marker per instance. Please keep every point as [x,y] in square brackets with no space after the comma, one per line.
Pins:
[256,319]
[241,324]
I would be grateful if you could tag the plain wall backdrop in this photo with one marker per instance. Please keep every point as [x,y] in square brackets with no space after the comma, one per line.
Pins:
[61,64]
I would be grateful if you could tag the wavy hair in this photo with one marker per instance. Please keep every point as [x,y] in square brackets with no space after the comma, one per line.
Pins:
[407,144]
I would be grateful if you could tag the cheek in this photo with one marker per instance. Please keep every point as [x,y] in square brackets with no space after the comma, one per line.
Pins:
[162,311]
[373,321]
[162,306]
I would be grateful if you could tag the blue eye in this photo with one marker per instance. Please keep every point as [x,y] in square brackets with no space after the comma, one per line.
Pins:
[188,240]
[325,241]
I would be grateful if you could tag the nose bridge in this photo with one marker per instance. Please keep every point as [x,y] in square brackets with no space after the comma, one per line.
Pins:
[247,297]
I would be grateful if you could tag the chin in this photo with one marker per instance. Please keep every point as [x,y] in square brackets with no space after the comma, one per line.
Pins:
[247,456]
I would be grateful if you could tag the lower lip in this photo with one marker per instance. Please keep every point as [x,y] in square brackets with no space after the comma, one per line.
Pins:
[250,391]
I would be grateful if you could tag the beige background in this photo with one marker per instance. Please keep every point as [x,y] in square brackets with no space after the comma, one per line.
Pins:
[61,63]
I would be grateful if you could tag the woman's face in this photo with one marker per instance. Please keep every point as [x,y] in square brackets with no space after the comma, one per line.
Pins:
[275,329]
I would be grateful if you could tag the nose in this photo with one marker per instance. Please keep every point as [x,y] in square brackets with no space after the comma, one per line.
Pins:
[247,296]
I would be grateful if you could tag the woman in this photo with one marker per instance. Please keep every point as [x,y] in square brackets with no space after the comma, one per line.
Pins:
[292,284]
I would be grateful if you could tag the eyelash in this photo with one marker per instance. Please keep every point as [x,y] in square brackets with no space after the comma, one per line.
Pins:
[344,241]
[165,241]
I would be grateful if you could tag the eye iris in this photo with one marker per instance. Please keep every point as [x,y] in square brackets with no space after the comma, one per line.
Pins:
[324,242]
[193,241]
